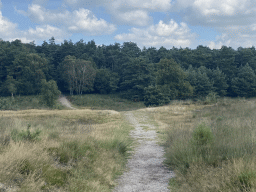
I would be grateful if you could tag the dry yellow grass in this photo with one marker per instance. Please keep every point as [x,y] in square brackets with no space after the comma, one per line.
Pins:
[99,132]
[230,165]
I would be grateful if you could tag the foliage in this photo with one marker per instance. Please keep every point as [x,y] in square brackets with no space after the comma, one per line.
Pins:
[25,135]
[49,92]
[74,66]
[199,79]
[246,179]
[11,85]
[54,177]
[244,85]
[212,97]
[202,135]
[28,69]
[106,81]
[79,74]
[171,80]
[136,76]
[154,97]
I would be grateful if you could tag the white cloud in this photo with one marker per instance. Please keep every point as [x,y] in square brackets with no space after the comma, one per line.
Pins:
[162,34]
[44,32]
[134,17]
[6,27]
[9,31]
[126,12]
[236,36]
[233,19]
[136,12]
[80,21]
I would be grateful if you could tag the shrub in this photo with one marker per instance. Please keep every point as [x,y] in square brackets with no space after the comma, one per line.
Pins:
[54,176]
[202,135]
[212,97]
[246,180]
[25,135]
[49,92]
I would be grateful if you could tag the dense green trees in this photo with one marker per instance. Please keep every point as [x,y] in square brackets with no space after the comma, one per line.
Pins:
[150,75]
[106,81]
[78,74]
[244,84]
[137,74]
[170,84]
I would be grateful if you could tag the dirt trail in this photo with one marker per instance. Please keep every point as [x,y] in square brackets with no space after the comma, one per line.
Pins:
[146,171]
[65,102]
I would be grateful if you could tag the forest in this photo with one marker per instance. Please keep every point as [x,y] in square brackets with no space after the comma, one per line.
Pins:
[153,76]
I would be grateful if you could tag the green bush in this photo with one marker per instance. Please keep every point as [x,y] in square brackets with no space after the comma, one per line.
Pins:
[246,180]
[49,92]
[7,103]
[202,135]
[54,177]
[25,135]
[154,97]
[202,138]
[212,97]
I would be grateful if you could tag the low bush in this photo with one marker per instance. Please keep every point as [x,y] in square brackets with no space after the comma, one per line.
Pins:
[25,135]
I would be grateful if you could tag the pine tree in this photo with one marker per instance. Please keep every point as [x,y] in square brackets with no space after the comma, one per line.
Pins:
[220,83]
[244,85]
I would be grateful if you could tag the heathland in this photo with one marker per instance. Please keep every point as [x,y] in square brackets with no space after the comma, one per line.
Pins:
[209,144]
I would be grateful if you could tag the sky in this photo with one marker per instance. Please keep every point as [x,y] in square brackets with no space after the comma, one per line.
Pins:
[148,23]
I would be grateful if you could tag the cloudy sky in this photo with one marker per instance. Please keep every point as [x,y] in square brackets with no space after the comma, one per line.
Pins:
[156,23]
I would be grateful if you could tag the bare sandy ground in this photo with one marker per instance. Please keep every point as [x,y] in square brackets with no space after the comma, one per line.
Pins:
[146,171]
[65,102]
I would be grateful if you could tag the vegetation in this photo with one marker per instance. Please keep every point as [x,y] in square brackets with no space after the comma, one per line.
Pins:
[49,92]
[125,69]
[212,149]
[66,150]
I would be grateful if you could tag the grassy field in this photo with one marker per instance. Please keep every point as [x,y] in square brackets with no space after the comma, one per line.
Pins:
[210,147]
[104,102]
[24,102]
[63,150]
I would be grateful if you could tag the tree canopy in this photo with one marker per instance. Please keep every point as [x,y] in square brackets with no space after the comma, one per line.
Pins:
[146,74]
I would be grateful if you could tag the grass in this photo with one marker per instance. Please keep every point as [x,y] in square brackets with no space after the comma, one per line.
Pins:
[63,150]
[24,102]
[212,148]
[104,102]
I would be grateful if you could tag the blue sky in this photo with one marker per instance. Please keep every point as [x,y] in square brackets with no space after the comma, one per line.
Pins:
[156,23]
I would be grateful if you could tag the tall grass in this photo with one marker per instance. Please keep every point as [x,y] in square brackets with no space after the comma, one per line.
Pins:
[63,150]
[216,152]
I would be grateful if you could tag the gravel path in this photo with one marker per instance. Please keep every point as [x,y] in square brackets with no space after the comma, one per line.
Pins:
[146,171]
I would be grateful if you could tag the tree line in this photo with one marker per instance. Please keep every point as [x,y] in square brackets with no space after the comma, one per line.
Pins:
[149,75]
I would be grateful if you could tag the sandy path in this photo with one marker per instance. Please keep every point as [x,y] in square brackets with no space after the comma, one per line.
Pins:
[146,171]
[65,102]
